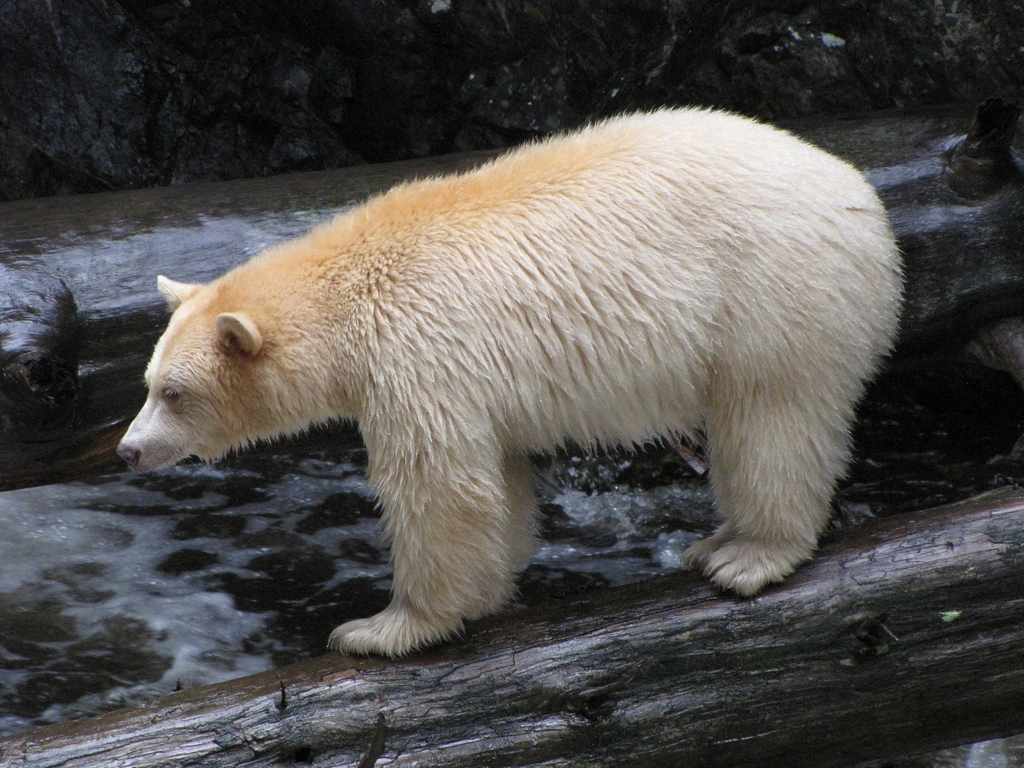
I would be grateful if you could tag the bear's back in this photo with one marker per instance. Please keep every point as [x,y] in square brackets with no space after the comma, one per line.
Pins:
[602,272]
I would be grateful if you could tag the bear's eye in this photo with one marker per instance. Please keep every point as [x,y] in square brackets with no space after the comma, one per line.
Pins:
[170,393]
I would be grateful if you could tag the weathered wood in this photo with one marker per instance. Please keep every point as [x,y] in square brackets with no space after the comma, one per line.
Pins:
[903,635]
[1001,346]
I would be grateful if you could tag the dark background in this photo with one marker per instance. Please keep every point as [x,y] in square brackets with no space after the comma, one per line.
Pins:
[112,94]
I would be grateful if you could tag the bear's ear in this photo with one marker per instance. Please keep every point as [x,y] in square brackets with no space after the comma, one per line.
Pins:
[236,331]
[175,294]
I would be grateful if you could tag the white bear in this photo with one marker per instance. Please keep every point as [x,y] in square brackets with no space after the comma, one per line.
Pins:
[650,274]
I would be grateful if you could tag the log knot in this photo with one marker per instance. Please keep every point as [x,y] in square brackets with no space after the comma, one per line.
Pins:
[593,703]
[874,638]
[39,345]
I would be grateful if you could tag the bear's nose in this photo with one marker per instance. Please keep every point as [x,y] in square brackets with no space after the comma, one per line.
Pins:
[129,453]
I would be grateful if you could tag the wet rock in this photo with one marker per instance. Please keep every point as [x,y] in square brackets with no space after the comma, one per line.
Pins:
[285,575]
[220,526]
[186,561]
[647,466]
[299,630]
[361,551]
[28,622]
[337,509]
[115,655]
[540,583]
[295,572]
[121,643]
[84,581]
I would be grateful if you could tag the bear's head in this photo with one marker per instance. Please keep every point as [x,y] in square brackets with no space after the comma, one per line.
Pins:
[222,376]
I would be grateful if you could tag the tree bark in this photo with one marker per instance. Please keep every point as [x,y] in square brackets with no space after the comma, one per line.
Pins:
[956,203]
[902,636]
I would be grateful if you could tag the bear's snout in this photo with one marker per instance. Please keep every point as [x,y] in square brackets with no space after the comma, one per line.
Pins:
[148,443]
[129,453]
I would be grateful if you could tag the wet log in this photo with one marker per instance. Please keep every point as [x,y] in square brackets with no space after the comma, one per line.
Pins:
[902,636]
[956,202]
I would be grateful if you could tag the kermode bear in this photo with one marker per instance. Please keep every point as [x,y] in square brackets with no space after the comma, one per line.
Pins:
[650,275]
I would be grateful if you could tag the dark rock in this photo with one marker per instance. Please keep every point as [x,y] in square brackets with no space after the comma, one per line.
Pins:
[337,509]
[540,583]
[361,551]
[223,526]
[186,561]
[283,575]
[113,655]
[127,93]
[296,572]
[28,620]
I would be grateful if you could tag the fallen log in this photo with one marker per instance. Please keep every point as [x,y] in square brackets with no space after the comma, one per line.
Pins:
[902,636]
[956,202]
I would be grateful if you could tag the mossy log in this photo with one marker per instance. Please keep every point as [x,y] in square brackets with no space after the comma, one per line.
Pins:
[902,636]
[956,201]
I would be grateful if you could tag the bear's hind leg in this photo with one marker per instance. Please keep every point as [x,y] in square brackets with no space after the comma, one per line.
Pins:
[743,563]
[774,464]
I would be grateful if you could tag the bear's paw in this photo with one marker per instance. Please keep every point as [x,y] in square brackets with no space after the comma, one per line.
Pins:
[745,564]
[393,632]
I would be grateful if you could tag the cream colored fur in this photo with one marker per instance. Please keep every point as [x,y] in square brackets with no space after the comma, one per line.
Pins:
[653,273]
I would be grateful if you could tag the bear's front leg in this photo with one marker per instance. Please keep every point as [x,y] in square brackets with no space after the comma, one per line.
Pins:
[459,531]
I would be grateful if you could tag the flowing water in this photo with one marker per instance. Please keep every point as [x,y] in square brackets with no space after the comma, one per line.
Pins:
[121,588]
